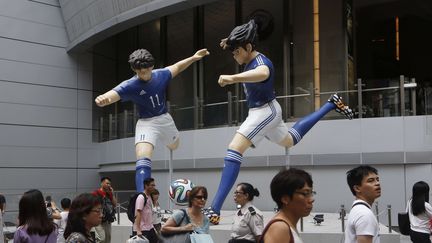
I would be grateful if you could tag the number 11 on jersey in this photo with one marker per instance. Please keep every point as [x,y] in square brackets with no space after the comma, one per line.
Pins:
[157,100]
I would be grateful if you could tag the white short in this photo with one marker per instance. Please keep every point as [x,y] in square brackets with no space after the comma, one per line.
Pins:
[264,121]
[161,127]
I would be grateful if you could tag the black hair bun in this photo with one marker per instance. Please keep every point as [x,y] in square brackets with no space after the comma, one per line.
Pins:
[265,22]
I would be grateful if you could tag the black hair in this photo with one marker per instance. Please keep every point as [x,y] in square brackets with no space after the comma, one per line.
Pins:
[65,203]
[260,25]
[264,21]
[141,58]
[286,182]
[81,206]
[356,175]
[2,202]
[105,178]
[147,181]
[194,192]
[33,213]
[420,195]
[249,189]
[242,35]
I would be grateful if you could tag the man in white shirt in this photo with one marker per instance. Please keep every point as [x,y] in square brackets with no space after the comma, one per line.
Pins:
[362,226]
[61,223]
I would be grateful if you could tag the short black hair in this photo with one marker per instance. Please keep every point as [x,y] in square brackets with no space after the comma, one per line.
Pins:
[356,175]
[65,203]
[141,58]
[147,181]
[286,182]
[105,178]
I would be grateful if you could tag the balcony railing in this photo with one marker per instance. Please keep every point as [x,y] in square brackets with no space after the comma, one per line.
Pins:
[398,97]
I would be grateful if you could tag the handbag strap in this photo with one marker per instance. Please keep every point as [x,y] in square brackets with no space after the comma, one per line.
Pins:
[261,240]
[184,216]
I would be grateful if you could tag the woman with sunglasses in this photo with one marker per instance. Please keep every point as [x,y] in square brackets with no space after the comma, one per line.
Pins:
[248,221]
[292,191]
[190,219]
[85,212]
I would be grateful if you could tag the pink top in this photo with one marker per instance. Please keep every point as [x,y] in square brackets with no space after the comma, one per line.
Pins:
[146,213]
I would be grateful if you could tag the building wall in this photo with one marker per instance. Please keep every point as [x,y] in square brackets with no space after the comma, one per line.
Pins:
[399,147]
[45,104]
[88,22]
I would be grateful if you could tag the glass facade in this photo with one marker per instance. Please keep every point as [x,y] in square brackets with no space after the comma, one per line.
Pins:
[377,62]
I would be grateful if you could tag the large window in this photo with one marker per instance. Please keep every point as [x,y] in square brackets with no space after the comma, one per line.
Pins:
[179,45]
[219,19]
[392,40]
[363,49]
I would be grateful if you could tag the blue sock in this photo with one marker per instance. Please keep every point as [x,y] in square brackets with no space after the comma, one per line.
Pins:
[229,176]
[301,127]
[142,172]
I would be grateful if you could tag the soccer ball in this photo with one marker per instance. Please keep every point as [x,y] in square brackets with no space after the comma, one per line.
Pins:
[178,191]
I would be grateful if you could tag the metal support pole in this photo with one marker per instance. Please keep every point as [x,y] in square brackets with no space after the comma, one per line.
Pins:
[110,128]
[118,209]
[125,122]
[301,224]
[402,94]
[377,211]
[196,113]
[342,217]
[413,99]
[389,218]
[360,98]
[287,158]
[169,107]
[101,121]
[170,175]
[230,108]
[135,114]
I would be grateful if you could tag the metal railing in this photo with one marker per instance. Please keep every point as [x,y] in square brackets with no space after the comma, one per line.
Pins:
[397,98]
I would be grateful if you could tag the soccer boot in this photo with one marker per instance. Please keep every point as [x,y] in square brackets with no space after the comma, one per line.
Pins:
[340,106]
[213,217]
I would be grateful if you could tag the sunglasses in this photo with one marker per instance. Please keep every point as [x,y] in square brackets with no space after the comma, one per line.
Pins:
[201,197]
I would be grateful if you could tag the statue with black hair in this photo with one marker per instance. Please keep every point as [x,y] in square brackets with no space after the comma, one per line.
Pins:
[265,114]
[147,89]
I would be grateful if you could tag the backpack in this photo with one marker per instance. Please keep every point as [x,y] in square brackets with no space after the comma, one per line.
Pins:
[108,210]
[131,206]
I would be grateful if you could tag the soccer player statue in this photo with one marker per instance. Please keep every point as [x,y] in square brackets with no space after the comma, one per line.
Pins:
[147,90]
[265,114]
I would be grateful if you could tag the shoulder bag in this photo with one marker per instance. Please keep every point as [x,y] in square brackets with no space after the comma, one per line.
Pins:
[183,237]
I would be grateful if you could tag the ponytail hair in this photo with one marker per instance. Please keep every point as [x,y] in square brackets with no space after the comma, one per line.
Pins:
[250,190]
[420,195]
[264,21]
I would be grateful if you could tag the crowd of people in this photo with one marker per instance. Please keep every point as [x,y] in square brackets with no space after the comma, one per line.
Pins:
[82,219]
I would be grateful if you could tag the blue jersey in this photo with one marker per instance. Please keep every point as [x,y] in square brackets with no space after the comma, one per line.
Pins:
[260,93]
[149,96]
